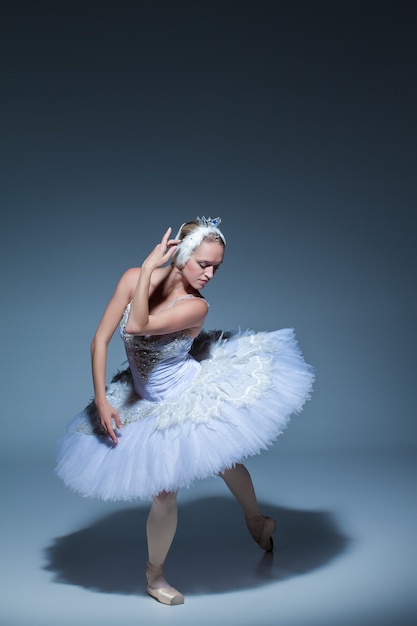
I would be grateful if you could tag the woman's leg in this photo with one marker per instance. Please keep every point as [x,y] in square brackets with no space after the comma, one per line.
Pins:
[240,484]
[160,529]
[161,526]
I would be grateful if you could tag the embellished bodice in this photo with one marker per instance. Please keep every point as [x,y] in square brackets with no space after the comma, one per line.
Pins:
[160,364]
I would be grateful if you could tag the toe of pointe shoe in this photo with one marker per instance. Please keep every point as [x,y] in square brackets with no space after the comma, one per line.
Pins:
[261,528]
[266,542]
[166,595]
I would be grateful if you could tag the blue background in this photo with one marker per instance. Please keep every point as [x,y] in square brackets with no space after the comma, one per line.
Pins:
[293,121]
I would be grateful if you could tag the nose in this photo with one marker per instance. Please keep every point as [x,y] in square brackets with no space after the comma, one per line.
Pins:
[209,272]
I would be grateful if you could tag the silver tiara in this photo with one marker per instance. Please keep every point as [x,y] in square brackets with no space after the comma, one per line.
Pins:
[208,222]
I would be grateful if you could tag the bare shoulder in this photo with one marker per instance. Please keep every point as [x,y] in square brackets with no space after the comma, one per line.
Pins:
[129,279]
[200,302]
[201,306]
[131,274]
[195,303]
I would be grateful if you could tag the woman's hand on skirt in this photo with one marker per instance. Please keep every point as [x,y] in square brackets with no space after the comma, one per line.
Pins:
[109,420]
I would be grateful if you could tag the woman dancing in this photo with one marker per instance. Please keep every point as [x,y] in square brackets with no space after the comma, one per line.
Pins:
[191,405]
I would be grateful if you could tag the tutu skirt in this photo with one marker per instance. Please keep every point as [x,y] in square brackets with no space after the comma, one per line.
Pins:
[239,397]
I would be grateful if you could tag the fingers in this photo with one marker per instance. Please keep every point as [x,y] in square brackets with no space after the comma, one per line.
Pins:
[169,243]
[117,420]
[109,431]
[168,246]
[112,436]
[164,239]
[162,252]
[171,249]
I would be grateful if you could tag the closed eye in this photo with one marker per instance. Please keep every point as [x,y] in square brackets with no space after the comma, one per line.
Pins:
[205,265]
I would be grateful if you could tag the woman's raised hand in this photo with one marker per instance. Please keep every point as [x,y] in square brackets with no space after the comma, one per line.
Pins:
[162,252]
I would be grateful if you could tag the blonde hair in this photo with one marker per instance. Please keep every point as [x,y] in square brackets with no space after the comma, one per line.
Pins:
[189,227]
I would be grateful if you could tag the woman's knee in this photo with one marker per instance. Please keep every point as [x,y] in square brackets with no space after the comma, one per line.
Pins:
[165,501]
[231,471]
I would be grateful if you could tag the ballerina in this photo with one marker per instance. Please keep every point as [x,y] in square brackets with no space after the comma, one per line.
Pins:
[191,404]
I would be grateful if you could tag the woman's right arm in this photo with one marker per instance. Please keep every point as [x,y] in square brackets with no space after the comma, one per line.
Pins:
[105,330]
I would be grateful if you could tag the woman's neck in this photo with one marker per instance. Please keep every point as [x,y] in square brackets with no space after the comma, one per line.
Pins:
[171,284]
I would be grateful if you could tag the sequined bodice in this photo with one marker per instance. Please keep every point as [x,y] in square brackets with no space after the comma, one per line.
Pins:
[161,364]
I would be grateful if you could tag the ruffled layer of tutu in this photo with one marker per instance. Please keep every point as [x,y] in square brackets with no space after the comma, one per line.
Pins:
[236,405]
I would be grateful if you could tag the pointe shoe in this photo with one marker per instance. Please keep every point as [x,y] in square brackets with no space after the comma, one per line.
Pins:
[261,529]
[165,595]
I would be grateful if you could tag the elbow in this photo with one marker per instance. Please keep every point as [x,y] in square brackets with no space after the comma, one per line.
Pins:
[97,343]
[134,329]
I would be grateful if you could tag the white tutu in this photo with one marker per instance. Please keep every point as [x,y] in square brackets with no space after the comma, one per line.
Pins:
[186,416]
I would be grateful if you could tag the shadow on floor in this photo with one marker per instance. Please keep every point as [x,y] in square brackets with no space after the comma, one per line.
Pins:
[212,551]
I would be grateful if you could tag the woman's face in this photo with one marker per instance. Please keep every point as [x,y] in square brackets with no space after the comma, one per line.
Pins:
[203,263]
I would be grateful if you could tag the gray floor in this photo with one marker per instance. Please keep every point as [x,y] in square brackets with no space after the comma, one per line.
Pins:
[345,549]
